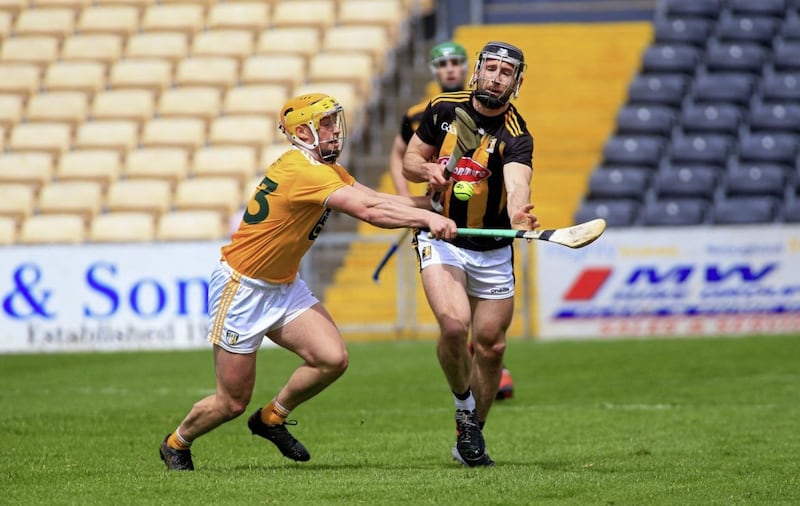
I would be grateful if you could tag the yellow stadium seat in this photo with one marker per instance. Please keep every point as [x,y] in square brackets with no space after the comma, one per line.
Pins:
[5,24]
[262,99]
[169,164]
[249,189]
[40,50]
[119,135]
[13,7]
[190,102]
[219,194]
[271,153]
[70,107]
[319,14]
[370,39]
[17,201]
[288,70]
[301,40]
[238,162]
[100,47]
[115,19]
[170,46]
[19,78]
[152,196]
[186,18]
[190,226]
[73,5]
[126,104]
[84,198]
[186,133]
[50,22]
[11,107]
[141,4]
[217,71]
[229,43]
[101,165]
[122,227]
[27,168]
[253,16]
[154,75]
[254,131]
[53,229]
[390,14]
[353,67]
[8,231]
[87,77]
[52,138]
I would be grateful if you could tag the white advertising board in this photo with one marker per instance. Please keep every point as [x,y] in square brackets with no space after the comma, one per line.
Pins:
[688,281]
[105,297]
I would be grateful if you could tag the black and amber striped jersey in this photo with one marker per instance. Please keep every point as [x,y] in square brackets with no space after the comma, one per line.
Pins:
[411,120]
[506,139]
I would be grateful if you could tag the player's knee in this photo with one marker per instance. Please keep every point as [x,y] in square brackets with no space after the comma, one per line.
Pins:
[335,364]
[490,349]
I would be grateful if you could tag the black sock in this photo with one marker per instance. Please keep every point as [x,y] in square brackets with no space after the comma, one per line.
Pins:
[464,396]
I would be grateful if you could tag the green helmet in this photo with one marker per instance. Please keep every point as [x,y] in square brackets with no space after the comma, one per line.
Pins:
[447,50]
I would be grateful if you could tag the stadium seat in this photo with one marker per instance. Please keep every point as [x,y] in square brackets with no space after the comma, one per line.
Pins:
[52,138]
[169,164]
[33,168]
[49,22]
[122,227]
[184,133]
[5,24]
[768,148]
[136,105]
[645,120]
[388,14]
[755,179]
[776,117]
[19,78]
[237,162]
[780,87]
[744,210]
[622,183]
[692,8]
[190,102]
[101,48]
[617,213]
[152,196]
[190,226]
[118,135]
[354,68]
[674,212]
[711,118]
[747,29]
[259,99]
[252,16]
[686,181]
[694,31]
[670,58]
[229,43]
[633,150]
[39,51]
[71,107]
[786,56]
[774,8]
[122,20]
[735,88]
[11,109]
[102,166]
[790,30]
[271,153]
[83,198]
[735,57]
[217,71]
[318,14]
[8,231]
[186,18]
[791,211]
[150,74]
[253,131]
[86,77]
[666,89]
[371,39]
[220,194]
[299,40]
[710,149]
[74,5]
[17,200]
[287,70]
[52,229]
[170,46]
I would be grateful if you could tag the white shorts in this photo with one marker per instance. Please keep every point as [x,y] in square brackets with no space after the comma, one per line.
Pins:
[242,310]
[490,274]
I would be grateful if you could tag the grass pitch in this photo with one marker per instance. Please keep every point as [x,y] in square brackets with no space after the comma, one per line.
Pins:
[706,421]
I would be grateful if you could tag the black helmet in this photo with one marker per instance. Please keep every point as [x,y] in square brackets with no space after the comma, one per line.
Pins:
[504,52]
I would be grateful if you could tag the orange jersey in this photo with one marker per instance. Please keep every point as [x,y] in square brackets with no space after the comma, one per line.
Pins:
[283,217]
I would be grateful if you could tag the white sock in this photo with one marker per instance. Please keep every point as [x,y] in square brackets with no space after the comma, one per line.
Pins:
[467,404]
[184,442]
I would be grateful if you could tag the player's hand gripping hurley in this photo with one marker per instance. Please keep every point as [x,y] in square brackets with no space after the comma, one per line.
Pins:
[468,136]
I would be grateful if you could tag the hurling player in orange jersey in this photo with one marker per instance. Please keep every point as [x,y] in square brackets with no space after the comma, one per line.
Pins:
[255,290]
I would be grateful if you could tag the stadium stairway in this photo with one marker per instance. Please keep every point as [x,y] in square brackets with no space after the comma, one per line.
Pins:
[576,80]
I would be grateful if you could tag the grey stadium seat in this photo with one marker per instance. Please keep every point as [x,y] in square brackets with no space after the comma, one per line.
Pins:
[790,30]
[744,210]
[775,117]
[633,150]
[711,118]
[735,57]
[791,211]
[680,58]
[747,29]
[786,56]
[694,31]
[755,179]
[711,149]
[617,213]
[735,88]
[768,148]
[774,8]
[692,8]
[675,212]
[645,120]
[686,181]
[781,86]
[618,183]
[658,89]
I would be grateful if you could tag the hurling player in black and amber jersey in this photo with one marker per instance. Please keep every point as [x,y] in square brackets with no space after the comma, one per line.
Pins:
[469,282]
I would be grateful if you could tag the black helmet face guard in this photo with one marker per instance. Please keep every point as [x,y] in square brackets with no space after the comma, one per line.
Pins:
[481,83]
